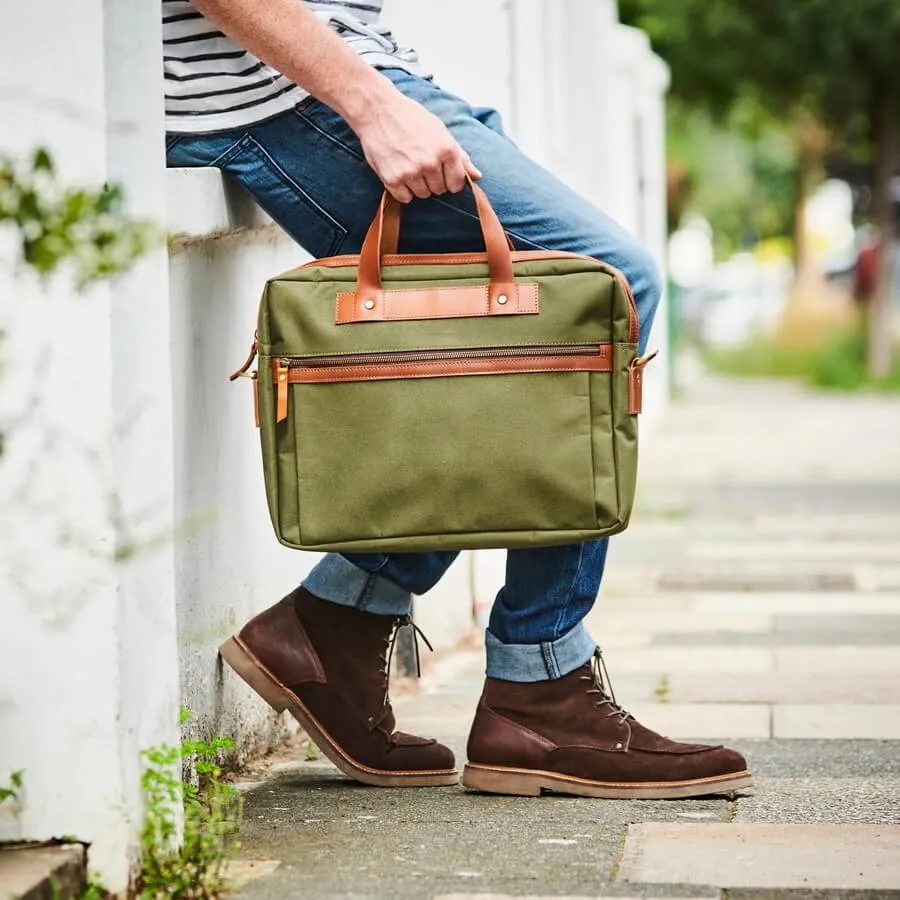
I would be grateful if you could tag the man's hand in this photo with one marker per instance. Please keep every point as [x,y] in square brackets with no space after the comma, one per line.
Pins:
[411,150]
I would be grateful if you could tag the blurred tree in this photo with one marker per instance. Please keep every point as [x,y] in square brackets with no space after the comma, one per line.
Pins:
[741,182]
[827,68]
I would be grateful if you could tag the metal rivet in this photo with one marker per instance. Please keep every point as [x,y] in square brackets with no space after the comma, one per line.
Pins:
[369,304]
[618,745]
[502,299]
[282,377]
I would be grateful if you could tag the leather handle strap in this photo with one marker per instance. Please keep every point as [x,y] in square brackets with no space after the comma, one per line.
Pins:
[385,228]
[390,233]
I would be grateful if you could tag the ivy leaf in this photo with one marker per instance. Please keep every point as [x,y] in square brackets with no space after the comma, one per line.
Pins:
[42,161]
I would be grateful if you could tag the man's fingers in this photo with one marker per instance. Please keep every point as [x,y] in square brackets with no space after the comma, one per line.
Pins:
[399,192]
[436,180]
[418,186]
[455,173]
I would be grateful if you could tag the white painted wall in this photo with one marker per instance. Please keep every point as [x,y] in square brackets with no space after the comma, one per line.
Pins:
[228,564]
[87,648]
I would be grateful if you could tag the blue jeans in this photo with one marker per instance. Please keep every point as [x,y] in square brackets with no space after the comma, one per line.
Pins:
[306,169]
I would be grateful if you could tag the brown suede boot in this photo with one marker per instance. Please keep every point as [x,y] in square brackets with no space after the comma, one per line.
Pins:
[570,736]
[328,665]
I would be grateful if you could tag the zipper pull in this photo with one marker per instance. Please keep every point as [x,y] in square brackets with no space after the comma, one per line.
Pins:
[636,382]
[281,392]
[242,371]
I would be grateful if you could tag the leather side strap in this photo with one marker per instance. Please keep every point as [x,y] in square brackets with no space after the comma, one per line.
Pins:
[435,303]
[635,389]
[636,382]
[255,383]
[280,377]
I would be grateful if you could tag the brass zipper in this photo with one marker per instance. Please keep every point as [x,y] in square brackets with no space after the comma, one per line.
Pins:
[414,356]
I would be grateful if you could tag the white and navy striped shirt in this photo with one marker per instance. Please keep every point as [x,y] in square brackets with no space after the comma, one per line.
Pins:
[212,84]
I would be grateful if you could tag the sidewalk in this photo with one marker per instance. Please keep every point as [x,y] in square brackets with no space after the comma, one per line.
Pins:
[755,600]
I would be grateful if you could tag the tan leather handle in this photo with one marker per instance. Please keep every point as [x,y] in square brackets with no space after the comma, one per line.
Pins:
[385,229]
[390,234]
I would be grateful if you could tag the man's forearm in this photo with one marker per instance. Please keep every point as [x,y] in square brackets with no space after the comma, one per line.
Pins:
[287,36]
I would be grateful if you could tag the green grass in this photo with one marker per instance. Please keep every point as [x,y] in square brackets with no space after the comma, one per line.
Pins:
[838,364]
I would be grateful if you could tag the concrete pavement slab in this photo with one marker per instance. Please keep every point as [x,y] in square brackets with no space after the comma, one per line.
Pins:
[691,659]
[822,799]
[843,721]
[757,578]
[798,603]
[335,838]
[851,626]
[676,622]
[821,758]
[860,688]
[765,856]
[825,524]
[551,897]
[831,661]
[842,551]
[811,636]
[808,894]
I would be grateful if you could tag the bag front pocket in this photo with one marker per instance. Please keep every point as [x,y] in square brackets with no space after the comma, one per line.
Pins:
[444,443]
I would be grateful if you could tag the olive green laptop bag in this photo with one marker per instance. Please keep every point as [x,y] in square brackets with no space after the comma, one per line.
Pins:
[451,401]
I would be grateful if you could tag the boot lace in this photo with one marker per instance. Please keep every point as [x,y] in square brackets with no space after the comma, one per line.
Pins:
[602,686]
[387,656]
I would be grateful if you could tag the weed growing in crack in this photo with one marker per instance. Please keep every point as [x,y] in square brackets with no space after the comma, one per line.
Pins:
[186,860]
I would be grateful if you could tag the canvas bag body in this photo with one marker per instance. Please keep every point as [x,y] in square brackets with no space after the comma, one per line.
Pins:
[426,402]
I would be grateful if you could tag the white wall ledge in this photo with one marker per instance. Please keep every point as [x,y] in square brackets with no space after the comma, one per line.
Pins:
[204,203]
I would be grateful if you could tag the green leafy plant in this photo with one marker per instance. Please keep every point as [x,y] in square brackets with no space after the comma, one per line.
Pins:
[94,891]
[187,863]
[86,228]
[12,790]
[54,224]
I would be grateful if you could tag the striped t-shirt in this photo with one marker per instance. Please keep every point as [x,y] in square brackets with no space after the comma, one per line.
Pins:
[212,84]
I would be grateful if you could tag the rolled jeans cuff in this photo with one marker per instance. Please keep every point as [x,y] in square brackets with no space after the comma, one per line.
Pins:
[339,581]
[539,662]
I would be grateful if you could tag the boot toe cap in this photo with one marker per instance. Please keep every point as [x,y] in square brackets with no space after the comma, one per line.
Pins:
[727,761]
[413,753]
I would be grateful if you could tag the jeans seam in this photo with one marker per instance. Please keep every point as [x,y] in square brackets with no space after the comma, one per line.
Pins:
[467,214]
[568,600]
[365,595]
[227,154]
[299,190]
[549,659]
[335,140]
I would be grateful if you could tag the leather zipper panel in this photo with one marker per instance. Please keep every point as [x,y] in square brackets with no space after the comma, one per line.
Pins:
[442,363]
